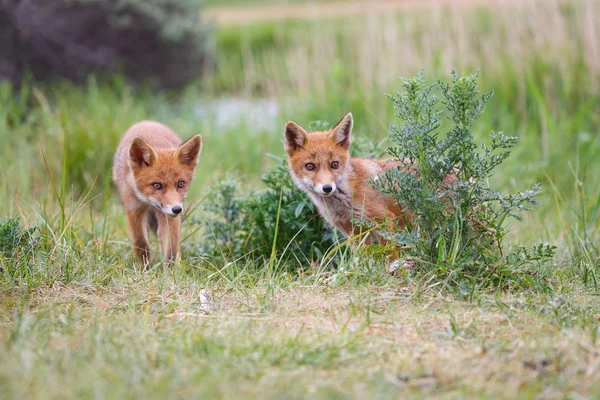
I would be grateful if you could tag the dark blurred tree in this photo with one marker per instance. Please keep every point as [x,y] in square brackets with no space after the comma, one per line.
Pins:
[159,41]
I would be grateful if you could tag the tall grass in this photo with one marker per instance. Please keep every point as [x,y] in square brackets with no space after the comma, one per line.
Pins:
[515,42]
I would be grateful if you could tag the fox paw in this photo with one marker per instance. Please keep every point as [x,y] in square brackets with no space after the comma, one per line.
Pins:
[405,263]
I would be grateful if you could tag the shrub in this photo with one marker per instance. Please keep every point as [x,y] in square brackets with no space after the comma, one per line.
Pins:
[162,41]
[248,227]
[457,229]
[16,243]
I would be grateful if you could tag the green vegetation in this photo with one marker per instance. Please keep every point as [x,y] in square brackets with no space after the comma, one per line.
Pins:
[458,222]
[78,319]
[16,242]
[160,42]
[280,222]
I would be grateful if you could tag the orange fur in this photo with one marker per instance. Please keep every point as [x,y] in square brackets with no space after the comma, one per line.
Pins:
[153,170]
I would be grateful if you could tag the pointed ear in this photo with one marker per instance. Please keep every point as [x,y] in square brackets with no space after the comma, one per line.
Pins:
[188,151]
[342,130]
[141,154]
[294,137]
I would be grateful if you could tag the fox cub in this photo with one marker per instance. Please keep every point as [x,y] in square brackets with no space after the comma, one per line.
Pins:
[320,165]
[153,170]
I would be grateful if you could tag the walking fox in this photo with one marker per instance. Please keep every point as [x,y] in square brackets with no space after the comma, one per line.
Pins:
[320,165]
[153,170]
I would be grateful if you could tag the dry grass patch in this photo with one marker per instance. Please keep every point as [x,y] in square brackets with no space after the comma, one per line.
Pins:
[311,341]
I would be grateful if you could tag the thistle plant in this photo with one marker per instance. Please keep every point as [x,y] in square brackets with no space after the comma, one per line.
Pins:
[456,226]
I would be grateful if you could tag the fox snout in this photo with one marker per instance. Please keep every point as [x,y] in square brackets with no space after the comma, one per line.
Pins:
[177,209]
[326,189]
[172,210]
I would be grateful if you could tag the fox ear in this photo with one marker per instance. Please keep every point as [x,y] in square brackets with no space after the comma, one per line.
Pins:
[342,130]
[188,151]
[294,137]
[141,154]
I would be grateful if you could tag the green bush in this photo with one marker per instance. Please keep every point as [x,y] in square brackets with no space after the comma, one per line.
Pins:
[457,228]
[280,218]
[160,41]
[16,243]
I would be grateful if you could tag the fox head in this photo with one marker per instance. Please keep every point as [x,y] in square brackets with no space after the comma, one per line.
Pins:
[318,160]
[162,177]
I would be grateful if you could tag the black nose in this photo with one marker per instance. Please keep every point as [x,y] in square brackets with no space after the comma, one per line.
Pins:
[327,188]
[176,209]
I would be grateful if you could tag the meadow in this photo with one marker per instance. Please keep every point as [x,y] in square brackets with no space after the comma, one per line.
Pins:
[78,318]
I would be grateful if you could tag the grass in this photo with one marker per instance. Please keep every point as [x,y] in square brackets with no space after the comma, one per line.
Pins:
[79,320]
[151,339]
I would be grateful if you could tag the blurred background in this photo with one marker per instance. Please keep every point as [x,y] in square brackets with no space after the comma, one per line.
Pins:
[77,73]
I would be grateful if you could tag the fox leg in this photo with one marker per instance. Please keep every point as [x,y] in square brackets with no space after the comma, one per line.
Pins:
[168,234]
[138,228]
[175,232]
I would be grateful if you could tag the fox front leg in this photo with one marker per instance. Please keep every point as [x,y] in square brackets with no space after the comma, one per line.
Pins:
[138,228]
[168,234]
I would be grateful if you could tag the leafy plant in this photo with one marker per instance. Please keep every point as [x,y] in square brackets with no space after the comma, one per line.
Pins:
[245,227]
[16,243]
[161,41]
[457,222]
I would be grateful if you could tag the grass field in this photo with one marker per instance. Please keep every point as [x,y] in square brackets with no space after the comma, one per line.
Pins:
[79,319]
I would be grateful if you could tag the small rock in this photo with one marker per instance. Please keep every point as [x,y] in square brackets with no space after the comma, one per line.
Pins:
[405,263]
[206,304]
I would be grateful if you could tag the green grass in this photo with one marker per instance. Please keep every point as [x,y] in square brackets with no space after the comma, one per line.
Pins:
[150,339]
[78,319]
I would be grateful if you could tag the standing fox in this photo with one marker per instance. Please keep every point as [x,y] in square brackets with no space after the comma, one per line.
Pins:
[320,165]
[153,170]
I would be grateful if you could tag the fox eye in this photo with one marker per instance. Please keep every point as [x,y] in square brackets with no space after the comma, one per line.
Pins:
[157,186]
[180,184]
[335,165]
[310,167]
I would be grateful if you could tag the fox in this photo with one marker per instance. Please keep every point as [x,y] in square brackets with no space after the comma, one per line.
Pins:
[153,170]
[321,166]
